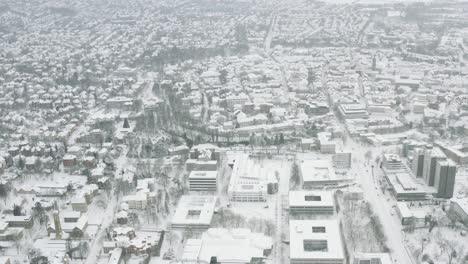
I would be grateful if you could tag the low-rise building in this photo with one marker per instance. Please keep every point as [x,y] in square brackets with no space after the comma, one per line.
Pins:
[24,221]
[248,181]
[194,211]
[315,242]
[326,143]
[352,111]
[401,180]
[342,160]
[459,209]
[219,245]
[319,173]
[372,258]
[311,202]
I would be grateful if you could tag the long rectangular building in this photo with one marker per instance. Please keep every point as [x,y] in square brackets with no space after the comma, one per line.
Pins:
[248,181]
[400,179]
[311,202]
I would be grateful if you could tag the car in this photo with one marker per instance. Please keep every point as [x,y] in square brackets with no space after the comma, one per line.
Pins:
[169,255]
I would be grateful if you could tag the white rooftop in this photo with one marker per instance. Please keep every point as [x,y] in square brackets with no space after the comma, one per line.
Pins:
[203,175]
[310,198]
[303,231]
[247,175]
[360,258]
[462,202]
[194,210]
[317,170]
[227,245]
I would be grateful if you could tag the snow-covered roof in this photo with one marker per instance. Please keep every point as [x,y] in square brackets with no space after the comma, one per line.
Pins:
[324,234]
[225,245]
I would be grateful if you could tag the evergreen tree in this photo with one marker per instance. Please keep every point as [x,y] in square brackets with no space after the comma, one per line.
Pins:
[126,124]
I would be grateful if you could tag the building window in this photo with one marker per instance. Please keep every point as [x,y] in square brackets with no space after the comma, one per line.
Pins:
[315,245]
[193,214]
[318,229]
[314,198]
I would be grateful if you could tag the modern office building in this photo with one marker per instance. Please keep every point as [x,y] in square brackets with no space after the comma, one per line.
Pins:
[418,162]
[445,178]
[326,144]
[392,162]
[400,179]
[219,245]
[203,181]
[248,181]
[319,173]
[342,160]
[315,242]
[311,202]
[194,211]
[431,156]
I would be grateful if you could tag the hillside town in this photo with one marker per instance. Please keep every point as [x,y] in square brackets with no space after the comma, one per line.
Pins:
[240,131]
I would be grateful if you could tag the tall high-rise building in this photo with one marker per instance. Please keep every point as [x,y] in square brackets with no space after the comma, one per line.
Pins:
[431,156]
[418,162]
[445,178]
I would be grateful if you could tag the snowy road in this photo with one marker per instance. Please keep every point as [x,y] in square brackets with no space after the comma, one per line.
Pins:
[96,245]
[382,207]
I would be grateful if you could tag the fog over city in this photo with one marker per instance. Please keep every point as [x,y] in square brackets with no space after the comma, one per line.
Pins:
[233,132]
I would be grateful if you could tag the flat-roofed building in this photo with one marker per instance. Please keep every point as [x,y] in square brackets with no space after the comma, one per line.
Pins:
[353,111]
[407,216]
[459,209]
[372,258]
[315,242]
[327,145]
[220,245]
[203,180]
[404,187]
[392,162]
[311,202]
[458,153]
[248,181]
[319,173]
[401,180]
[194,211]
[342,160]
[24,221]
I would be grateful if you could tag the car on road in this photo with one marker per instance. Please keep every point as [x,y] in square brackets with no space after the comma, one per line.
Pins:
[169,254]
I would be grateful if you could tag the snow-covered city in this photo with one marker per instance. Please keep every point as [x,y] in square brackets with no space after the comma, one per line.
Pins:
[233,132]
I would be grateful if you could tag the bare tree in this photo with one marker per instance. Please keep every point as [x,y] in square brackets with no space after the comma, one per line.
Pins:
[5,188]
[450,247]
[83,249]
